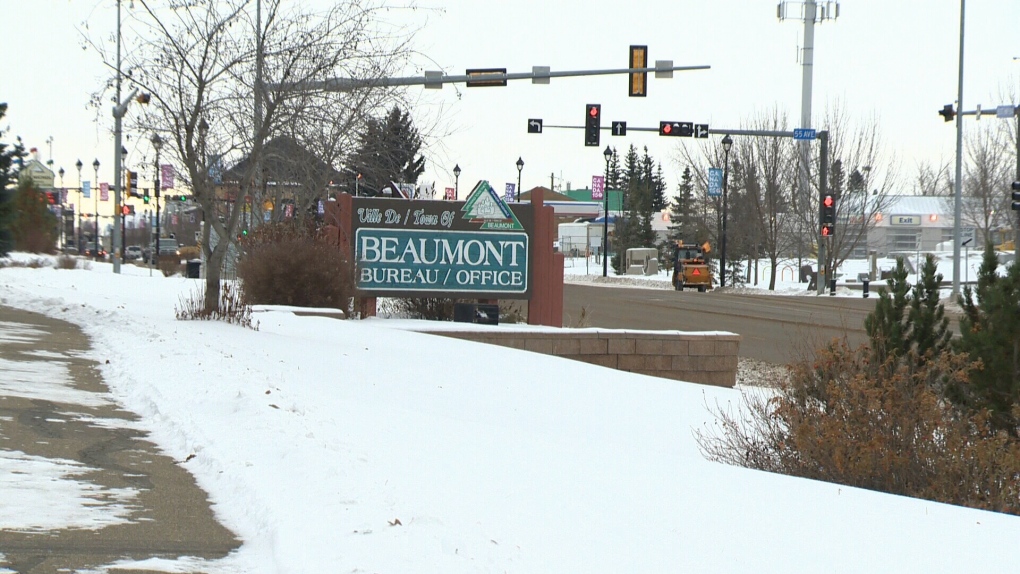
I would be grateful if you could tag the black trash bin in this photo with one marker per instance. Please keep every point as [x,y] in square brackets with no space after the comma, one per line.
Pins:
[193,268]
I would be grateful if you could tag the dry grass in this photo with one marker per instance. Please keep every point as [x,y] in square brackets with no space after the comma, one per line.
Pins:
[231,308]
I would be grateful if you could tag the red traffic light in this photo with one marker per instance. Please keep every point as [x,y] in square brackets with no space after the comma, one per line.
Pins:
[666,128]
[827,230]
[828,201]
[593,111]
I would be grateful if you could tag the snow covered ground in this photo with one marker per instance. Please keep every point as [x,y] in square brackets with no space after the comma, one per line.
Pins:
[363,446]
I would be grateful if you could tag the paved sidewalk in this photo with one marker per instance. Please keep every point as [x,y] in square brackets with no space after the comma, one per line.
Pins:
[75,419]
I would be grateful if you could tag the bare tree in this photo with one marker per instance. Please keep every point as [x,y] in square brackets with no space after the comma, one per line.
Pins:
[201,61]
[854,146]
[986,176]
[933,179]
[765,169]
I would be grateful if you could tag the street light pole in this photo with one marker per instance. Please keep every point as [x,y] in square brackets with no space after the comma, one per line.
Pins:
[456,181]
[63,239]
[78,165]
[95,199]
[157,144]
[123,217]
[608,154]
[727,143]
[520,166]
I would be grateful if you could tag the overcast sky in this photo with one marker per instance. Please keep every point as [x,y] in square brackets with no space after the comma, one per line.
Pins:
[895,61]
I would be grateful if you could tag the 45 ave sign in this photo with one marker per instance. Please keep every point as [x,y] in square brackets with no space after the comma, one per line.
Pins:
[479,248]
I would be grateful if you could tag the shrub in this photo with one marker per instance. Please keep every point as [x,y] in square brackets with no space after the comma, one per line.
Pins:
[883,427]
[285,264]
[427,308]
[435,309]
[191,252]
[231,308]
[65,262]
[170,265]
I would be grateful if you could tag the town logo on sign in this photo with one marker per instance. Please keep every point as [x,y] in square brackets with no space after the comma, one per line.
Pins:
[484,206]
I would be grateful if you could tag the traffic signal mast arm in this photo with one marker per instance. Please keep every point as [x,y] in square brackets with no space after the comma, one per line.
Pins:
[437,79]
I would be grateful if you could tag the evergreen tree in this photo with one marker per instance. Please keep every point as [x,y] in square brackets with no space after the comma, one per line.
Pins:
[10,156]
[990,335]
[659,202]
[681,211]
[33,226]
[388,152]
[929,327]
[885,325]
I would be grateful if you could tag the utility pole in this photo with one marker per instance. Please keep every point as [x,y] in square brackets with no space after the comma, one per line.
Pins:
[958,183]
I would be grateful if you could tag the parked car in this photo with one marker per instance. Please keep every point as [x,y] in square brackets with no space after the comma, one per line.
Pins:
[132,252]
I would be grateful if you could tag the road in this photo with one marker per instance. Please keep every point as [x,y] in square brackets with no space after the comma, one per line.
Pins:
[776,329]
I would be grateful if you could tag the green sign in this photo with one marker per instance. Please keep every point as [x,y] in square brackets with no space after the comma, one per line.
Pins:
[442,261]
[479,248]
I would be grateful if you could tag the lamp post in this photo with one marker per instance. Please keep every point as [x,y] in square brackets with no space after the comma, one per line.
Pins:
[608,154]
[78,165]
[456,181]
[157,144]
[63,240]
[95,197]
[727,143]
[520,166]
[123,217]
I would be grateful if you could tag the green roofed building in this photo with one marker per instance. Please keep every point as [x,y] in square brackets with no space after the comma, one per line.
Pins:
[615,197]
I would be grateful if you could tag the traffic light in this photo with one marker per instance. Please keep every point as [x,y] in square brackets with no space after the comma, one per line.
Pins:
[947,112]
[132,183]
[127,210]
[669,129]
[146,197]
[828,215]
[182,198]
[1015,204]
[592,124]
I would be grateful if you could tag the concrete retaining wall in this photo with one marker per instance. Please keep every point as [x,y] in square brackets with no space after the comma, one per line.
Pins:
[707,358]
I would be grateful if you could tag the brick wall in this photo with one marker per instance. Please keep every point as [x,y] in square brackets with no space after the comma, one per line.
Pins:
[707,358]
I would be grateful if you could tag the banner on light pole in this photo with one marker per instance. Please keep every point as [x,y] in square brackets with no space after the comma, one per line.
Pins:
[598,186]
[714,182]
[166,175]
